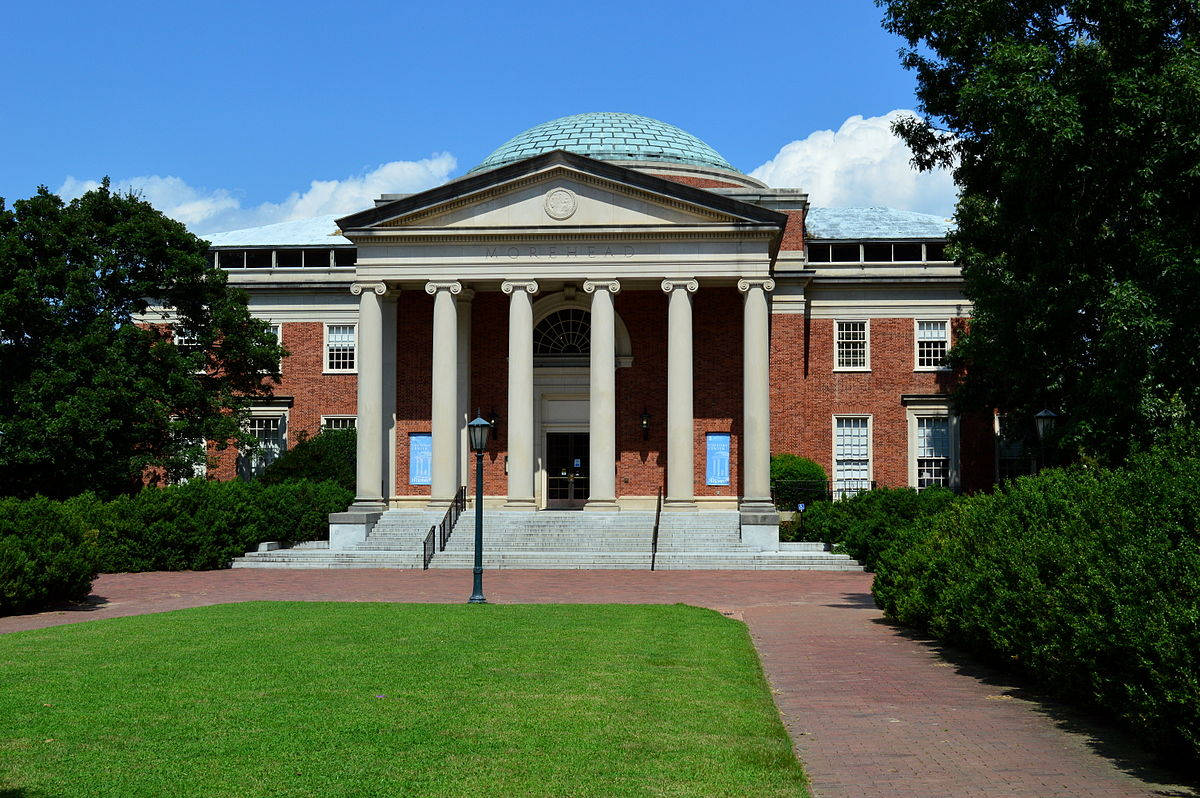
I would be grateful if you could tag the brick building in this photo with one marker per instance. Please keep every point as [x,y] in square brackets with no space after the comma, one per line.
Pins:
[634,313]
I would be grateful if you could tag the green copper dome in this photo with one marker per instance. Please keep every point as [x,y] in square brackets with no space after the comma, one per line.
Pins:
[609,137]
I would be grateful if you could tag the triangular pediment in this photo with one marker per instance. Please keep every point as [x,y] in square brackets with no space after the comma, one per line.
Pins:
[555,190]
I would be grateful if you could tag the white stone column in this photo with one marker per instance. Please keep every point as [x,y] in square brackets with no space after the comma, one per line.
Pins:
[444,413]
[602,401]
[464,472]
[520,393]
[388,317]
[369,494]
[759,517]
[681,457]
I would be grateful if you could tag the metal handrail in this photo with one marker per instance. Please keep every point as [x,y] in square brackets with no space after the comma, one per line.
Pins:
[654,535]
[428,548]
[439,533]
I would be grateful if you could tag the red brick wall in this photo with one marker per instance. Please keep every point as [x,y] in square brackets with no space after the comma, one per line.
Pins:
[414,369]
[641,465]
[806,393]
[700,182]
[793,233]
[315,394]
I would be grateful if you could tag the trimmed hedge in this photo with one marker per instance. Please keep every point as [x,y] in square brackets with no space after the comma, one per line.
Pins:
[1086,580]
[328,456]
[46,555]
[203,525]
[796,479]
[865,524]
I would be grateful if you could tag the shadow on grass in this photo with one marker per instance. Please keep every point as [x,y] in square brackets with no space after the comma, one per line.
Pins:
[1099,733]
[20,792]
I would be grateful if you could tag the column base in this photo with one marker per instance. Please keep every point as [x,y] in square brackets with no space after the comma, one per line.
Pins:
[439,504]
[680,505]
[351,527]
[758,512]
[602,505]
[525,505]
[759,525]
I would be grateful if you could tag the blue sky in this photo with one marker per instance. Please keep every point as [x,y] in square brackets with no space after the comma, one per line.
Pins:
[225,113]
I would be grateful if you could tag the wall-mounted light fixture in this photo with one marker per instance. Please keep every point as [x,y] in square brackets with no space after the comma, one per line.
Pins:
[645,424]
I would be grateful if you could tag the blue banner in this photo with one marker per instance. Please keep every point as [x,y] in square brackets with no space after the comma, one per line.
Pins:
[420,458]
[716,468]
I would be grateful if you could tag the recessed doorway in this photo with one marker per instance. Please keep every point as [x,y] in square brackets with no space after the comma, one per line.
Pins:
[566,470]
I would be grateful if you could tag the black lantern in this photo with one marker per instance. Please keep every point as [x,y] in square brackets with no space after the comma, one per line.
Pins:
[645,424]
[1045,423]
[494,420]
[478,431]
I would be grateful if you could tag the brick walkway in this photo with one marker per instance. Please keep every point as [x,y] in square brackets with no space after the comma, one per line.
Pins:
[873,711]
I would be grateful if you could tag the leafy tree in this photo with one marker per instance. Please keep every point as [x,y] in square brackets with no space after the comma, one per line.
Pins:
[93,390]
[1072,131]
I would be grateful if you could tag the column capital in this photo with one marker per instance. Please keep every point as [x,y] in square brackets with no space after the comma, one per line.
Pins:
[467,295]
[611,286]
[765,283]
[380,288]
[689,284]
[528,286]
[453,286]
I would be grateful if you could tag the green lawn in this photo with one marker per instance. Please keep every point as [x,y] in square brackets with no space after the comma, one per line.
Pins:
[320,699]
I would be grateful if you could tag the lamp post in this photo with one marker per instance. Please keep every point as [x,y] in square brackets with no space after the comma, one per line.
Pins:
[1045,421]
[478,433]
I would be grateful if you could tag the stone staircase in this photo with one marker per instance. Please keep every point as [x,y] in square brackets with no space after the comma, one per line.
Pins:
[561,540]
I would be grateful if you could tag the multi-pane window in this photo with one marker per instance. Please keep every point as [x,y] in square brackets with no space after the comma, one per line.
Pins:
[188,344]
[933,451]
[851,455]
[340,347]
[851,345]
[277,331]
[933,340]
[338,422]
[270,438]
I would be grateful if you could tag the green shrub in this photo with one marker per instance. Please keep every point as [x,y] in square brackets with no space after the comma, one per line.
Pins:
[45,555]
[203,525]
[328,456]
[796,479]
[866,524]
[1086,580]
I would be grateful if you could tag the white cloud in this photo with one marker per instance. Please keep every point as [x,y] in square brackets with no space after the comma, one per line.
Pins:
[213,210]
[861,164]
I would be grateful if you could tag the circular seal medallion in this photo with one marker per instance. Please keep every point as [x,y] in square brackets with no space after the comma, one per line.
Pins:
[560,203]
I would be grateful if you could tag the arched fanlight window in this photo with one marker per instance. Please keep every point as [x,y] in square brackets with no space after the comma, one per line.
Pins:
[564,333]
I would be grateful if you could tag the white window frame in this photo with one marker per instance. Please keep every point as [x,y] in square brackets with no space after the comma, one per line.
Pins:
[267,413]
[178,333]
[834,452]
[199,470]
[934,409]
[278,325]
[917,344]
[325,347]
[337,417]
[867,351]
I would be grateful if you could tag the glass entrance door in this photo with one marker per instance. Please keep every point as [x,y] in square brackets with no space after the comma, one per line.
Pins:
[566,469]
